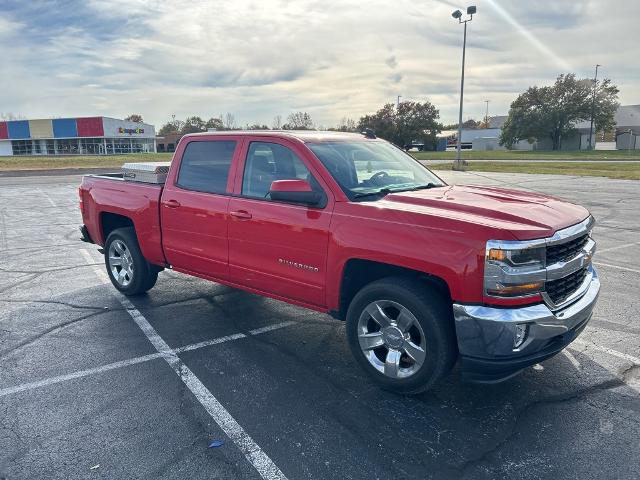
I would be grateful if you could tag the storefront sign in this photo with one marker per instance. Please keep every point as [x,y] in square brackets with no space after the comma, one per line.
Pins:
[130,131]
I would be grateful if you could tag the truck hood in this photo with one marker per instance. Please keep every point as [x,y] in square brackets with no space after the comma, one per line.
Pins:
[524,215]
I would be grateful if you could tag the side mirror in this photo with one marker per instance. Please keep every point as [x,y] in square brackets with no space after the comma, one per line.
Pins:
[296,191]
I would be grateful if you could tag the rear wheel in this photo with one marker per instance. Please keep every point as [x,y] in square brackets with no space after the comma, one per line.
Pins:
[402,334]
[128,270]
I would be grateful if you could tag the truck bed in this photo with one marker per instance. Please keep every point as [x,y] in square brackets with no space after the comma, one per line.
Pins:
[108,199]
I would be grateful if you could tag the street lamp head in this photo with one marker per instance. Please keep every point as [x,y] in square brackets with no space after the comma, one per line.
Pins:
[457,14]
[471,10]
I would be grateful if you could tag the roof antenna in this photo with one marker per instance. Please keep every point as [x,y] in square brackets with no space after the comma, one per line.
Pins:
[369,133]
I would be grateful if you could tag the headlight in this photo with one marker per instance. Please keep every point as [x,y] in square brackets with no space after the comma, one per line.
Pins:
[518,258]
[514,269]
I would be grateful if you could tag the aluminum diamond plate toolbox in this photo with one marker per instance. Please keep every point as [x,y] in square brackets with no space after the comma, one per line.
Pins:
[147,172]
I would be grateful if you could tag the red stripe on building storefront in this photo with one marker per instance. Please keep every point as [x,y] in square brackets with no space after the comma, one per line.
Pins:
[90,127]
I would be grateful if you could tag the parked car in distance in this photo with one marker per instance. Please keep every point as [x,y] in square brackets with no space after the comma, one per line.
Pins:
[425,274]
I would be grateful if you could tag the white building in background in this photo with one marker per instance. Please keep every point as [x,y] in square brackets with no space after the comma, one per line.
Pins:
[626,135]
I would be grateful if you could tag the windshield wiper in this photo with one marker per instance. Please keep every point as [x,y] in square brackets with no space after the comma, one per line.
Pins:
[423,187]
[387,190]
[382,191]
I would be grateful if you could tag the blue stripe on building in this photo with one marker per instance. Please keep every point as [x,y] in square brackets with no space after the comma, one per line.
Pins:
[18,129]
[65,128]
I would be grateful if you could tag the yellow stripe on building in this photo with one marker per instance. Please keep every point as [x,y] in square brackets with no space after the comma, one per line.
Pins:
[41,128]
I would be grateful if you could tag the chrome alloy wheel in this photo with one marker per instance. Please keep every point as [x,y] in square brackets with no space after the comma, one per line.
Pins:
[120,263]
[391,339]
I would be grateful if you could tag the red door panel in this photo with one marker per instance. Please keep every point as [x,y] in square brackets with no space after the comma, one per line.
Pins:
[280,249]
[277,247]
[195,203]
[194,232]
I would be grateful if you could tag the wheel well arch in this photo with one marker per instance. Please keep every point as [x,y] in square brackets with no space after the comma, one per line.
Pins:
[358,273]
[112,221]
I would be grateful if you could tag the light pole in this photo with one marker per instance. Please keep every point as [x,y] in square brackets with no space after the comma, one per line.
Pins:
[458,164]
[486,115]
[593,104]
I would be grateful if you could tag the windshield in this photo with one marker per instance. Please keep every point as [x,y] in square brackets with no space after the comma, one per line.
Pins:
[373,169]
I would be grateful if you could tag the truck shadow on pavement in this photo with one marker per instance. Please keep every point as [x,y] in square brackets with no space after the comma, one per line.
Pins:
[302,397]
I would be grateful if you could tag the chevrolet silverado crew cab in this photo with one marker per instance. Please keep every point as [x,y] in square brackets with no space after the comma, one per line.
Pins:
[425,274]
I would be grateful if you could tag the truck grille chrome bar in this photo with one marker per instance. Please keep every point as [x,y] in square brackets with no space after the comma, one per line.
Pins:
[565,251]
[568,264]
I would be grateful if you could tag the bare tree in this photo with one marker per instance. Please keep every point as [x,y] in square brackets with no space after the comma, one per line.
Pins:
[299,121]
[229,121]
[277,122]
[347,125]
[11,116]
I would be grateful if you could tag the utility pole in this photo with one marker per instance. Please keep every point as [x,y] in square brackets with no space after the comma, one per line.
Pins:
[486,115]
[398,102]
[459,164]
[593,106]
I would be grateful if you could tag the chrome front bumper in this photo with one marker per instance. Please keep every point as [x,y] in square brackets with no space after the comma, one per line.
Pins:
[486,335]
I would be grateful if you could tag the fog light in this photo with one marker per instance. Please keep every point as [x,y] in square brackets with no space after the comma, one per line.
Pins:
[521,334]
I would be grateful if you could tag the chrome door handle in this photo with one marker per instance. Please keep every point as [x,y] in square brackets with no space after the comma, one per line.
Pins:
[241,214]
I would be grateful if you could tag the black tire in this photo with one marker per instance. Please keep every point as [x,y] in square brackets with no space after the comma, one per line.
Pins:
[144,275]
[433,313]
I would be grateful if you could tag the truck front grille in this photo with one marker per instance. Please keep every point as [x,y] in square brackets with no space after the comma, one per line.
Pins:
[559,290]
[567,250]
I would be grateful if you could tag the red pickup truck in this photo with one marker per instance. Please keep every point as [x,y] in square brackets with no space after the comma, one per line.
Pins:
[424,273]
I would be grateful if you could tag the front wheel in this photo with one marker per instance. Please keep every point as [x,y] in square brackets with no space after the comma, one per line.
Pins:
[128,270]
[402,334]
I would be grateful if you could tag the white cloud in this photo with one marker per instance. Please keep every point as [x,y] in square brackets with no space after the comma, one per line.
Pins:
[332,58]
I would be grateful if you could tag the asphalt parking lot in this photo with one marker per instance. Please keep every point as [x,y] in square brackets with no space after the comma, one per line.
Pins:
[87,390]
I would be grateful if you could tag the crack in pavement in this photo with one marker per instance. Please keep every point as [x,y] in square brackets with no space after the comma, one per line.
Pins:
[111,309]
[617,382]
[17,283]
[40,247]
[56,269]
[59,302]
[19,345]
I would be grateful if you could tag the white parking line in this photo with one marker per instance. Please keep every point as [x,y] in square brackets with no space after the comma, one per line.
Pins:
[574,361]
[610,249]
[251,450]
[626,269]
[79,374]
[614,353]
[46,195]
[134,361]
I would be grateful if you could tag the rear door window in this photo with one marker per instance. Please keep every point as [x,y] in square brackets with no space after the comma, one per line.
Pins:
[205,166]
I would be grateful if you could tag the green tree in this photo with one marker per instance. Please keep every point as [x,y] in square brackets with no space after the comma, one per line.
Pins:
[469,124]
[174,126]
[553,111]
[134,117]
[193,125]
[214,123]
[408,122]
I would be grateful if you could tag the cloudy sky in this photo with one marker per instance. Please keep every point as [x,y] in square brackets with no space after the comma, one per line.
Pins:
[334,59]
